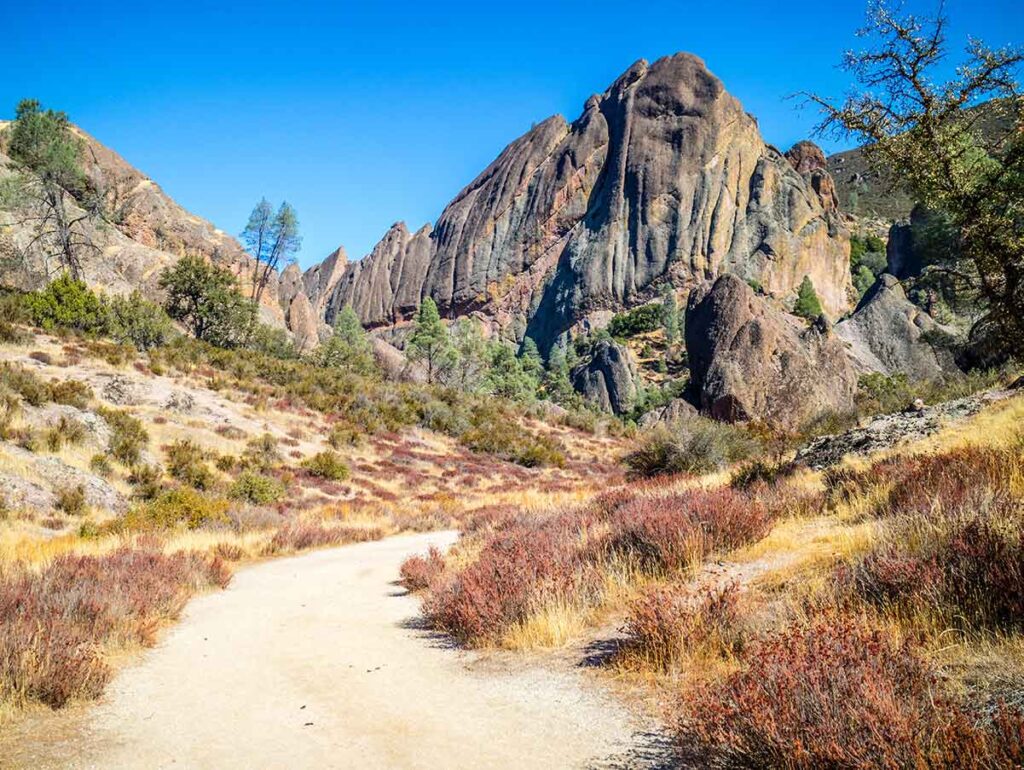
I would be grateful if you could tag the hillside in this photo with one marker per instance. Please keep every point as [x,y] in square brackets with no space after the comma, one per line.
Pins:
[865,193]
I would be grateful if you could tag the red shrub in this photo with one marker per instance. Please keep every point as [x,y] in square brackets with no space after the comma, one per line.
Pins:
[419,572]
[674,531]
[667,621]
[841,694]
[517,566]
[303,535]
[54,622]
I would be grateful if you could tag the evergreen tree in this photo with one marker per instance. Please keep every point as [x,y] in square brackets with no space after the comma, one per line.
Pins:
[470,361]
[530,358]
[49,158]
[807,303]
[348,347]
[506,377]
[205,298]
[430,343]
[557,380]
[670,315]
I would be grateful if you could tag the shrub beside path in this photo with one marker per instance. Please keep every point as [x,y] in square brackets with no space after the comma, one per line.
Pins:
[318,661]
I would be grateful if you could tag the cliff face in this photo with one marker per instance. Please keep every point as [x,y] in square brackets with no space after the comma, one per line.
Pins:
[663,177]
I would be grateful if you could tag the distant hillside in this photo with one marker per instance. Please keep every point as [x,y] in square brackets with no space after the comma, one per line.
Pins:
[866,193]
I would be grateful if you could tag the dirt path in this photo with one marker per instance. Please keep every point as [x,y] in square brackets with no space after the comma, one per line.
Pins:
[316,662]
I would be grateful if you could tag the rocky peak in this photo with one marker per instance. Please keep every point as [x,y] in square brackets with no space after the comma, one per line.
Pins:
[662,177]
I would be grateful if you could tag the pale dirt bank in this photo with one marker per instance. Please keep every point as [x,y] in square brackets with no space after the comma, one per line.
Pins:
[316,662]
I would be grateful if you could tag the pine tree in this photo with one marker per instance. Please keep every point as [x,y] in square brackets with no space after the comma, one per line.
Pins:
[557,382]
[430,343]
[348,347]
[807,303]
[532,363]
[670,315]
[470,360]
[506,377]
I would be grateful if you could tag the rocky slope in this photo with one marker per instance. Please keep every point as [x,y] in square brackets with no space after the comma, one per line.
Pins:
[139,231]
[663,177]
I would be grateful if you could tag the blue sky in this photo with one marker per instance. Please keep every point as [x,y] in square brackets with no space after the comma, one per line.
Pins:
[364,114]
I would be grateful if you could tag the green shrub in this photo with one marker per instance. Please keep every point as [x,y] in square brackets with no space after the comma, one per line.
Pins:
[32,389]
[256,488]
[69,304]
[65,431]
[177,507]
[497,432]
[139,322]
[639,320]
[128,436]
[326,465]
[71,500]
[100,465]
[807,303]
[146,480]
[186,462]
[206,299]
[71,392]
[261,453]
[697,445]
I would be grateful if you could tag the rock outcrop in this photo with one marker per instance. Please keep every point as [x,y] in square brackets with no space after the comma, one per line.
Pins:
[663,177]
[141,231]
[888,334]
[607,379]
[752,362]
[303,322]
[809,162]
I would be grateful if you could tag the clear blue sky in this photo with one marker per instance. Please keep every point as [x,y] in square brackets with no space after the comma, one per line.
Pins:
[364,114]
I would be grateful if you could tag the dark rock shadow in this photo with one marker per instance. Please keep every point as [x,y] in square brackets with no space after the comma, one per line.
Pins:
[651,750]
[434,638]
[600,652]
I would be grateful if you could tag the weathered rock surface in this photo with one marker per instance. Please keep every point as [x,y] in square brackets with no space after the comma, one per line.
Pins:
[809,162]
[142,231]
[750,361]
[887,332]
[663,176]
[320,280]
[675,410]
[303,322]
[394,364]
[608,379]
[890,430]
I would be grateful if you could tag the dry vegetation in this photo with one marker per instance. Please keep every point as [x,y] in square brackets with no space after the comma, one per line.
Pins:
[868,616]
[132,481]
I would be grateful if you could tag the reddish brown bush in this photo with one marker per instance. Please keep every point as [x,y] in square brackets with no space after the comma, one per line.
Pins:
[674,531]
[55,622]
[419,572]
[517,566]
[841,694]
[667,622]
[967,567]
[303,535]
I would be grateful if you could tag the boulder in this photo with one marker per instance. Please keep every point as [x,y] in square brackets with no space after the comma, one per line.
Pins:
[887,334]
[750,361]
[302,320]
[123,391]
[394,364]
[676,410]
[607,379]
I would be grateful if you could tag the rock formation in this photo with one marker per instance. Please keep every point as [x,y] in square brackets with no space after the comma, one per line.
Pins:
[809,162]
[663,177]
[304,323]
[750,361]
[141,231]
[887,332]
[607,379]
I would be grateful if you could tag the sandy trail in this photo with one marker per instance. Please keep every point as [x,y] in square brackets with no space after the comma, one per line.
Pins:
[315,662]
